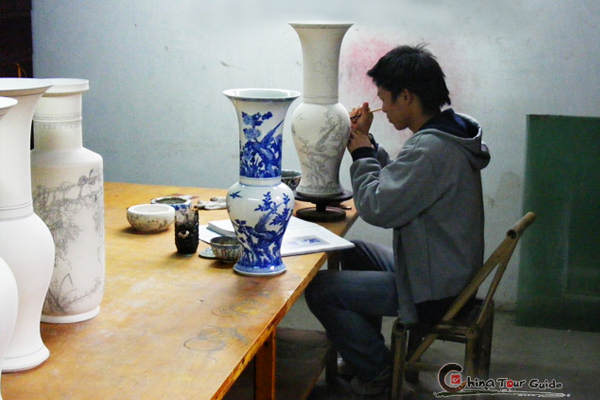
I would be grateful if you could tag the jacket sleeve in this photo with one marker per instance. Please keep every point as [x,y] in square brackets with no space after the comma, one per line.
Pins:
[382,156]
[393,195]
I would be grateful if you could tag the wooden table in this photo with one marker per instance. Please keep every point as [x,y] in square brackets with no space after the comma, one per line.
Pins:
[170,327]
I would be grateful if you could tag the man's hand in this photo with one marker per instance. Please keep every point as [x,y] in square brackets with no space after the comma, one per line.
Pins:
[360,124]
[361,119]
[358,139]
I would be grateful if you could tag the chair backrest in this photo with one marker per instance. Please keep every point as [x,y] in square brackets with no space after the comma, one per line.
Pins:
[499,258]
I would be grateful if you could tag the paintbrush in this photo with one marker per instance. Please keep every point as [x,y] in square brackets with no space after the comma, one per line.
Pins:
[357,116]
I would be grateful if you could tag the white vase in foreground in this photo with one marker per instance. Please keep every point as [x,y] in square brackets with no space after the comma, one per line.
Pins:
[67,189]
[320,124]
[8,286]
[9,301]
[25,241]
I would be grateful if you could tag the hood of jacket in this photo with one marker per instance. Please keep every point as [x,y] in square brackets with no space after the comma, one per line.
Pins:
[462,130]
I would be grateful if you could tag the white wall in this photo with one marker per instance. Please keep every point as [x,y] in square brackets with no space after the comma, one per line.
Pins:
[156,114]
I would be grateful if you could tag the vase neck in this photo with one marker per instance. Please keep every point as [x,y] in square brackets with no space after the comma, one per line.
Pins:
[15,158]
[57,135]
[260,181]
[57,122]
[320,53]
[260,130]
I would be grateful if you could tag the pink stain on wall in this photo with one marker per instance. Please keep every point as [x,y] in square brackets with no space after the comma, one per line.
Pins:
[357,58]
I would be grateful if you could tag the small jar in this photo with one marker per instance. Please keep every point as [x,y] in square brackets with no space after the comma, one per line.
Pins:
[186,230]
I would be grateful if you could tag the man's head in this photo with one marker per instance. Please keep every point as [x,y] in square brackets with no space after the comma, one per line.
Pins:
[408,76]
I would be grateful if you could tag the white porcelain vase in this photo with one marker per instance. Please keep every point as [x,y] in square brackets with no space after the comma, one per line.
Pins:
[320,124]
[26,244]
[8,286]
[260,205]
[8,309]
[67,188]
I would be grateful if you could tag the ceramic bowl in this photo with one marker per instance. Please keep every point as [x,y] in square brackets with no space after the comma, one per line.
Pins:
[150,217]
[177,202]
[291,178]
[226,248]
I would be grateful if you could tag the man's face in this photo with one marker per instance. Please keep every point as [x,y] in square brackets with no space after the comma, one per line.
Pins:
[395,110]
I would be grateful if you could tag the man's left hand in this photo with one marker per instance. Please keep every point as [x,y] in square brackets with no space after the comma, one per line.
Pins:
[358,139]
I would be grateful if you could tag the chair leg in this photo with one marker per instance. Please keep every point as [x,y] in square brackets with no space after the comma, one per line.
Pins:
[472,353]
[485,352]
[399,341]
[415,337]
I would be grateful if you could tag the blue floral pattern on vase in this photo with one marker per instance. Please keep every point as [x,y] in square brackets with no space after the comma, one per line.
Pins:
[259,204]
[261,243]
[260,158]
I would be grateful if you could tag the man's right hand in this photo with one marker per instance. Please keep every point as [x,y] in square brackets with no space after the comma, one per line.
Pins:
[361,119]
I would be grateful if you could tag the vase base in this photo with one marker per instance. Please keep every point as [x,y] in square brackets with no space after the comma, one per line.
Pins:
[326,210]
[250,271]
[68,319]
[28,361]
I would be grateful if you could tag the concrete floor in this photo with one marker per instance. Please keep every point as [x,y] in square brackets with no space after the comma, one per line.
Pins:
[569,357]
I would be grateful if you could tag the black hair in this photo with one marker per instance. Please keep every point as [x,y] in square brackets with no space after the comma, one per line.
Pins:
[413,68]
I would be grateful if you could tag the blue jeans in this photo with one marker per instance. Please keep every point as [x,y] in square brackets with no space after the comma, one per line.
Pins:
[350,304]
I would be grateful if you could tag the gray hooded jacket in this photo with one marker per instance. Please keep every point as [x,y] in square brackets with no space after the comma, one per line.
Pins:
[431,196]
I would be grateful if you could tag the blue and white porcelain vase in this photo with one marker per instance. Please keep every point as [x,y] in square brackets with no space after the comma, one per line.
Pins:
[260,205]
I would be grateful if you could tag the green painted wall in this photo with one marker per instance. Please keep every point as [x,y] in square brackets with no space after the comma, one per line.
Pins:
[559,275]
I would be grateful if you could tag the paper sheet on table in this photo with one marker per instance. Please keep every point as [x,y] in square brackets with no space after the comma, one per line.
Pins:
[300,237]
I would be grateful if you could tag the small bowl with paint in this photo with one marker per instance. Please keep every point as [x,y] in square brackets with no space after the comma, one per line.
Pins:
[177,202]
[226,249]
[150,218]
[291,178]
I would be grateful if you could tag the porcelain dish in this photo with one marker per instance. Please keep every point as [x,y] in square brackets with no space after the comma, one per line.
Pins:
[149,218]
[225,248]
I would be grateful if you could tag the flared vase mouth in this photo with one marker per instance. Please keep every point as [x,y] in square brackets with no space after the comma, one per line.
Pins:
[6,103]
[258,94]
[321,24]
[22,86]
[62,86]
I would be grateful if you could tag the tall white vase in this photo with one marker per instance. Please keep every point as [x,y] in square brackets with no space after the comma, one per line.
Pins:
[8,310]
[8,286]
[67,189]
[320,124]
[260,205]
[25,241]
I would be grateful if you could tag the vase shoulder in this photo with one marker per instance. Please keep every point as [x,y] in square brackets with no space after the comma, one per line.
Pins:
[320,134]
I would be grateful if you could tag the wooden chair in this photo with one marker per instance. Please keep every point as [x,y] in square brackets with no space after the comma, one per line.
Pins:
[471,325]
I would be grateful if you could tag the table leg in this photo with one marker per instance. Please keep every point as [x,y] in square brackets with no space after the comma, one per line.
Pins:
[264,370]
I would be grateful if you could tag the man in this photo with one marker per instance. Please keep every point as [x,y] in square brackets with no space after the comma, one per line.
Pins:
[430,195]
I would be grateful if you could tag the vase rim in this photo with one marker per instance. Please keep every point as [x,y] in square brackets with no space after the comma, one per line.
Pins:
[321,24]
[262,94]
[62,86]
[6,103]
[22,86]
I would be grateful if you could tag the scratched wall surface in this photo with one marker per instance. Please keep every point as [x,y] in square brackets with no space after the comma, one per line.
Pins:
[156,114]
